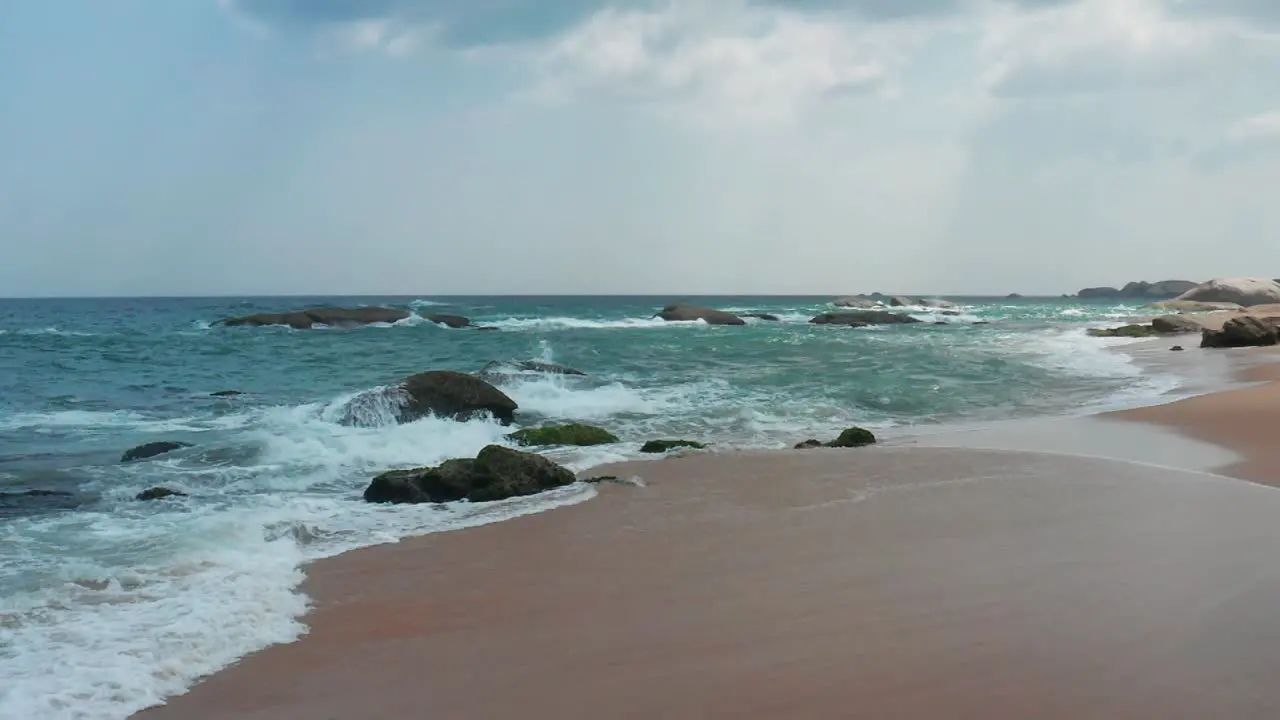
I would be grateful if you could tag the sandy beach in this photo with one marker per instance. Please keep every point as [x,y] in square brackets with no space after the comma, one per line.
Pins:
[888,582]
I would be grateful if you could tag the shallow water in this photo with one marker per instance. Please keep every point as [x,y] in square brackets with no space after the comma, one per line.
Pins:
[130,601]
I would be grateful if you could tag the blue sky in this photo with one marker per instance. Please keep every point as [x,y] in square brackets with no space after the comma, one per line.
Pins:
[577,146]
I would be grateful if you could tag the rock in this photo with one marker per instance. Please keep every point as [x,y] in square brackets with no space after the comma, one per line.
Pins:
[1128,331]
[602,479]
[27,501]
[1098,292]
[498,371]
[981,322]
[661,446]
[486,328]
[936,303]
[1269,310]
[941,322]
[1139,290]
[454,395]
[863,317]
[1190,306]
[761,316]
[1243,331]
[808,444]
[855,301]
[152,449]
[333,317]
[1244,291]
[687,313]
[225,393]
[572,434]
[1176,348]
[495,474]
[1013,296]
[158,493]
[1175,324]
[900,301]
[853,437]
[453,321]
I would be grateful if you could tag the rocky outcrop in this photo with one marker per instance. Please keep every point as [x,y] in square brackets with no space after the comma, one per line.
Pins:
[453,321]
[1139,290]
[661,446]
[152,449]
[761,316]
[453,395]
[850,438]
[1175,325]
[1092,293]
[1243,331]
[497,372]
[1190,306]
[688,313]
[309,318]
[575,434]
[1244,291]
[1013,296]
[158,493]
[936,303]
[1126,331]
[863,317]
[856,301]
[901,301]
[495,474]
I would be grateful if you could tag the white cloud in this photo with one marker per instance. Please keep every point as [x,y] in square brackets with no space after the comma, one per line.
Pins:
[1263,125]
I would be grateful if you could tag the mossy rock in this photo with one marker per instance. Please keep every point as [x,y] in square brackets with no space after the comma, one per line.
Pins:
[661,446]
[572,434]
[853,437]
[1128,331]
[808,444]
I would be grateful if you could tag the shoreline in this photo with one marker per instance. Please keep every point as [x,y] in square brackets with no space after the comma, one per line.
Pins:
[718,591]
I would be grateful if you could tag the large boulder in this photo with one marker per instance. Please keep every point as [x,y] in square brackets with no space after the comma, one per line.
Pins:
[454,395]
[333,317]
[687,313]
[856,301]
[495,474]
[152,449]
[1244,291]
[1190,306]
[453,321]
[1175,324]
[853,437]
[863,317]
[1243,331]
[572,434]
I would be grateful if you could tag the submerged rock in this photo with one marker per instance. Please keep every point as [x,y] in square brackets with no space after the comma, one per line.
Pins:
[26,501]
[761,316]
[863,317]
[661,446]
[495,474]
[1175,324]
[158,493]
[453,321]
[684,313]
[1243,291]
[1129,331]
[486,328]
[308,318]
[572,434]
[454,395]
[225,393]
[1176,348]
[1244,331]
[152,449]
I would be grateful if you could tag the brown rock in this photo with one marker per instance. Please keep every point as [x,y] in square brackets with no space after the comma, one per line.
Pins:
[686,313]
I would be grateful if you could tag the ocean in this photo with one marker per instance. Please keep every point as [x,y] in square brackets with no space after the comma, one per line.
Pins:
[109,604]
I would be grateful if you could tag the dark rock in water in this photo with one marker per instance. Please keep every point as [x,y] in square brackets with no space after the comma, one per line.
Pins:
[1175,324]
[486,328]
[951,313]
[455,395]
[900,301]
[225,393]
[1016,296]
[761,316]
[142,452]
[941,322]
[853,437]
[495,474]
[333,317]
[497,372]
[863,317]
[981,322]
[808,444]
[601,479]
[28,501]
[661,446]
[686,313]
[572,434]
[1129,331]
[159,493]
[453,321]
[1176,348]
[1244,331]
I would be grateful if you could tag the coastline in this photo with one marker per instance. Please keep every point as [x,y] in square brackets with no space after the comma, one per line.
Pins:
[904,580]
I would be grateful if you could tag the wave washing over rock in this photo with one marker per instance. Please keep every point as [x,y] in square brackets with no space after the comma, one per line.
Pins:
[109,604]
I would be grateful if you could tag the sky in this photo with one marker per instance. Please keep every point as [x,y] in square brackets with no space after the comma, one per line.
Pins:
[433,147]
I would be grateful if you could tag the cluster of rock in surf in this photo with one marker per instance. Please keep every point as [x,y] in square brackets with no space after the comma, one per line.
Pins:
[1226,312]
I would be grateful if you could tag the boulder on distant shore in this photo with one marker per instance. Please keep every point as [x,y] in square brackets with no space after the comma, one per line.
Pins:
[1243,291]
[152,449]
[454,395]
[661,446]
[453,321]
[863,317]
[158,493]
[1175,324]
[495,474]
[761,316]
[856,301]
[575,434]
[685,313]
[1243,331]
[332,317]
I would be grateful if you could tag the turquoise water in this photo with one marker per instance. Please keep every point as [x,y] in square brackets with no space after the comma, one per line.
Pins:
[131,601]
